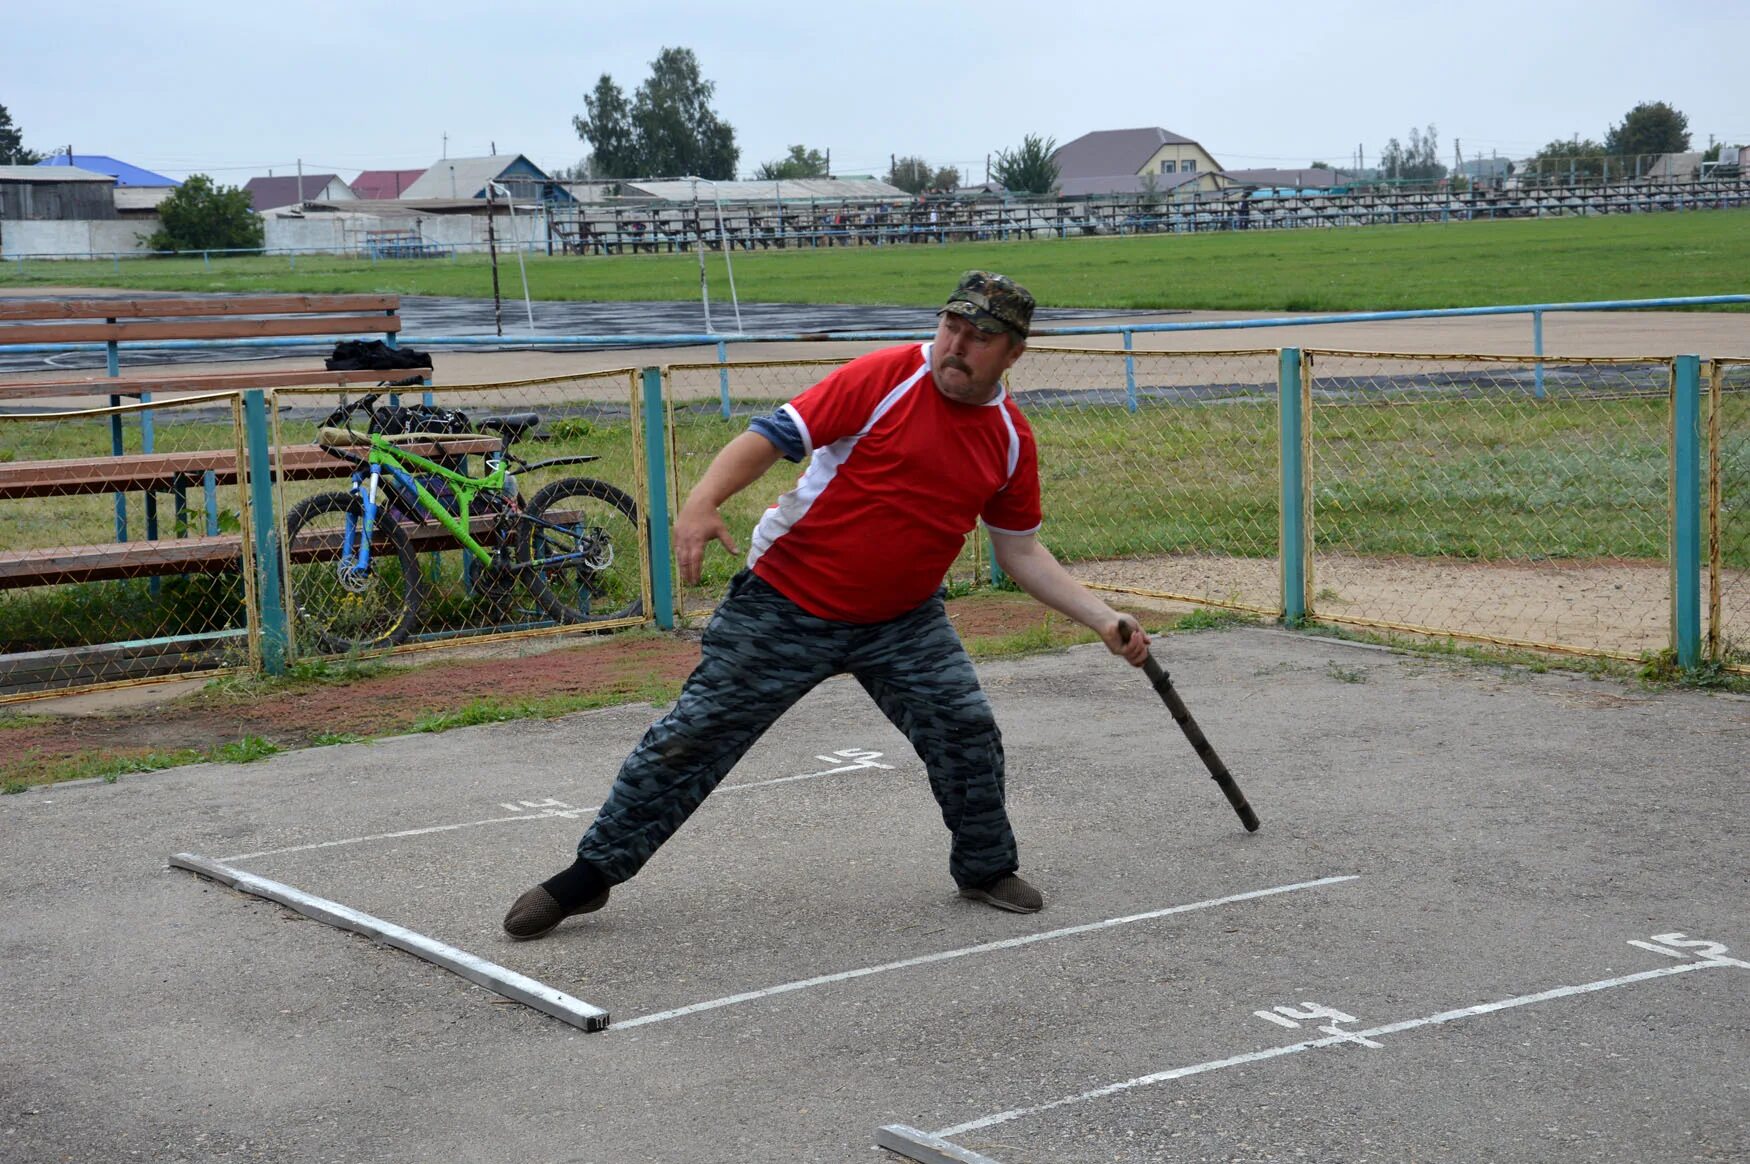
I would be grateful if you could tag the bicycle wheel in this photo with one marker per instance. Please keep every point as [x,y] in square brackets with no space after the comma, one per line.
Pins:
[339,607]
[580,553]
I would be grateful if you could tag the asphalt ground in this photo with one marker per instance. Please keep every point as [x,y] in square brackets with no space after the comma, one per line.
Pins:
[1437,921]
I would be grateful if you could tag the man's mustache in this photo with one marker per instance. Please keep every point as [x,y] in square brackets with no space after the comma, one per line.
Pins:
[957,362]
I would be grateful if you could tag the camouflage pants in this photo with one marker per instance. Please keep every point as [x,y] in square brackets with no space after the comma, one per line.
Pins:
[761,654]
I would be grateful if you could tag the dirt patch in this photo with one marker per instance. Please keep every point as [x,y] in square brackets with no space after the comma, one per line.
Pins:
[1616,607]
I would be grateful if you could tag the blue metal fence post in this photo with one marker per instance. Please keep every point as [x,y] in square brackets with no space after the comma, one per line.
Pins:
[1537,350]
[723,376]
[658,541]
[1129,371]
[270,612]
[1291,431]
[1686,503]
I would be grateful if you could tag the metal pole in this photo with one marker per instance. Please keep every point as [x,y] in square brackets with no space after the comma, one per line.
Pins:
[1129,371]
[1686,503]
[1292,436]
[1537,350]
[492,250]
[723,376]
[660,546]
[270,607]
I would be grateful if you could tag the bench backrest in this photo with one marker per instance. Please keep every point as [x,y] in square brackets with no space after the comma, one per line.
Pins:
[57,321]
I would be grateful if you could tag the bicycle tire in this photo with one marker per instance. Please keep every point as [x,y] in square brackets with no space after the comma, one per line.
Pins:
[343,612]
[594,527]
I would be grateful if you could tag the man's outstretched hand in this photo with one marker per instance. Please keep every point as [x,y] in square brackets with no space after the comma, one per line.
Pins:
[693,530]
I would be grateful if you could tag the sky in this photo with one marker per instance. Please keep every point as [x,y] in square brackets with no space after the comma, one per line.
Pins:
[236,90]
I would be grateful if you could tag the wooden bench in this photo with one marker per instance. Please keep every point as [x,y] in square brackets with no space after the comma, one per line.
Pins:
[113,322]
[145,472]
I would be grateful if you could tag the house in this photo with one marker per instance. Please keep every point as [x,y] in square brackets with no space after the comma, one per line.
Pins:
[43,194]
[272,193]
[384,184]
[125,175]
[1312,178]
[1134,161]
[137,191]
[453,178]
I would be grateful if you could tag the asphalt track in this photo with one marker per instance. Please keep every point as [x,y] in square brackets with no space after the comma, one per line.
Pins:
[434,316]
[1492,915]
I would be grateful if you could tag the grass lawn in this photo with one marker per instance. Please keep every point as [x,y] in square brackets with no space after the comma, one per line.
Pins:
[1349,269]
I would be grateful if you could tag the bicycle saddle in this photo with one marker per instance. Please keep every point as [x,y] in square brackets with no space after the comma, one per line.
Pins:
[512,426]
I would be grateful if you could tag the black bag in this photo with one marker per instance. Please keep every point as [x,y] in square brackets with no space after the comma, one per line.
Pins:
[392,420]
[375,355]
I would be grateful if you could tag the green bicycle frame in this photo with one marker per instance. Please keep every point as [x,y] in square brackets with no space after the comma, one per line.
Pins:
[387,455]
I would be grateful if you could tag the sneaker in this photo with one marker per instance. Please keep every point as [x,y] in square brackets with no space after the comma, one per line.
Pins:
[1008,892]
[536,913]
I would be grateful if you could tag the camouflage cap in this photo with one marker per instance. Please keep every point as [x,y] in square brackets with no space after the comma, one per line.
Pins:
[992,302]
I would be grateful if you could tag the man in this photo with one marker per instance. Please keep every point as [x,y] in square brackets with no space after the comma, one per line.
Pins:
[908,449]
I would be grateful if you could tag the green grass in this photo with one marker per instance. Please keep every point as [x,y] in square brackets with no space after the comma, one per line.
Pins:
[109,766]
[1351,269]
[494,710]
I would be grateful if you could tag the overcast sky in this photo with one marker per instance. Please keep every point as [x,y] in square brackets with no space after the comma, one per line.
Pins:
[236,89]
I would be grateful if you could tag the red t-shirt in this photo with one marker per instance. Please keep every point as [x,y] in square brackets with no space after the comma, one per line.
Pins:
[899,475]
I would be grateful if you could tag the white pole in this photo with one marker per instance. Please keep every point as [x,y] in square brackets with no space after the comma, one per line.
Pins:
[528,306]
[723,241]
[704,289]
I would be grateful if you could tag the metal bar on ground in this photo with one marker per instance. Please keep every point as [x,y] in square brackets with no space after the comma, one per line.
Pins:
[494,977]
[925,1148]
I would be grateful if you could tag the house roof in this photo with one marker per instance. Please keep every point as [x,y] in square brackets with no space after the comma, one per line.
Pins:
[467,177]
[124,174]
[1130,183]
[384,183]
[785,189]
[1315,177]
[1113,151]
[272,193]
[63,174]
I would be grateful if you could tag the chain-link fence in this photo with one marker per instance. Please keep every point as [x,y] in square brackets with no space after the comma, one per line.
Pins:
[558,543]
[1158,470]
[122,547]
[1510,500]
[1729,514]
[1506,500]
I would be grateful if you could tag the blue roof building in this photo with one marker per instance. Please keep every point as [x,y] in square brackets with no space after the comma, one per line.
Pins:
[124,174]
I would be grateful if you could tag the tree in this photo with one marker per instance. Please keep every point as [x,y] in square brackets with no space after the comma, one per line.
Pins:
[802,163]
[200,216]
[1652,127]
[12,151]
[676,129]
[668,131]
[1560,160]
[608,130]
[910,174]
[1420,162]
[945,179]
[1029,168]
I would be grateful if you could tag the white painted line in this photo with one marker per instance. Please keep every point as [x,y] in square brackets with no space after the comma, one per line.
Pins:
[925,1148]
[1330,1041]
[965,951]
[863,760]
[1658,949]
[494,977]
[392,836]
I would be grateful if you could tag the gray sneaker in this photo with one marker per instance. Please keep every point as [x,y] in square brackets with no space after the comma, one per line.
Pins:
[536,913]
[1010,893]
